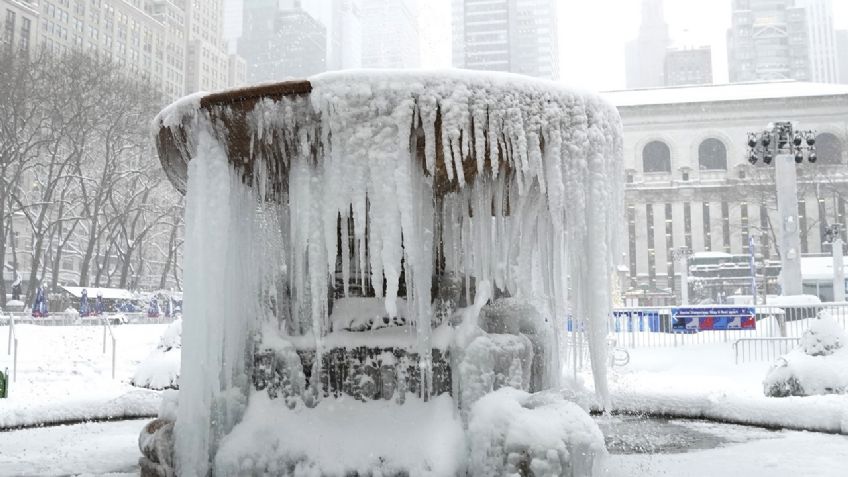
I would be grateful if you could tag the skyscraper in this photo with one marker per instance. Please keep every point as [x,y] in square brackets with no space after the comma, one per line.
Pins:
[389,34]
[645,56]
[280,40]
[344,49]
[768,40]
[519,36]
[821,39]
[842,55]
[688,66]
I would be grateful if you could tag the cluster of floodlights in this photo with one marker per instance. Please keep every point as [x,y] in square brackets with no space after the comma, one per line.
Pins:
[832,232]
[781,138]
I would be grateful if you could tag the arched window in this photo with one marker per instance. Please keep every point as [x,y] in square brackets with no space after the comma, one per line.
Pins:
[828,149]
[656,157]
[712,155]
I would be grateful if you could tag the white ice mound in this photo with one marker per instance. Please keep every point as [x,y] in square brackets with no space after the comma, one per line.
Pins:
[161,368]
[345,437]
[512,432]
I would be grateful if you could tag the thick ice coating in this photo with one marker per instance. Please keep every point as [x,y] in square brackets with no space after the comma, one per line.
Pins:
[382,181]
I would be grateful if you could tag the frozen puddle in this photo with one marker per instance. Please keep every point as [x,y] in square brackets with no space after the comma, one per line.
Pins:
[641,435]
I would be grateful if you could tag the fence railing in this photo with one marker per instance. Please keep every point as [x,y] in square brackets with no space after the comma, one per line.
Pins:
[13,350]
[107,326]
[69,319]
[654,327]
[761,349]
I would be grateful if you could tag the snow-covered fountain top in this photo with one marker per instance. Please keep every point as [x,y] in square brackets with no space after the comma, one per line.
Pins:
[386,184]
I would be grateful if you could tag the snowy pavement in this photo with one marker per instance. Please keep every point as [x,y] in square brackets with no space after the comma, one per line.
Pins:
[63,374]
[747,451]
[111,449]
[108,448]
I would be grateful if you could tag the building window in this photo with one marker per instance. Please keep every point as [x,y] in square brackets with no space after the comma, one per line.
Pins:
[706,225]
[725,226]
[712,155]
[746,227]
[687,225]
[631,229]
[652,258]
[669,243]
[656,157]
[828,149]
[9,34]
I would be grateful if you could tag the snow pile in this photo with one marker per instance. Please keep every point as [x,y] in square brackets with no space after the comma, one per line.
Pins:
[417,439]
[129,404]
[818,366]
[515,433]
[161,369]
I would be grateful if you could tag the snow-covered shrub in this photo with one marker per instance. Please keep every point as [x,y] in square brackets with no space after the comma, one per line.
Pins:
[512,433]
[823,337]
[161,368]
[818,366]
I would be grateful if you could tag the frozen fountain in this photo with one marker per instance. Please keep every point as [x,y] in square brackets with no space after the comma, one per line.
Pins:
[378,269]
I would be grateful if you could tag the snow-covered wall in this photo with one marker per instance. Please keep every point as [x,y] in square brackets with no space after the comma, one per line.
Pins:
[490,177]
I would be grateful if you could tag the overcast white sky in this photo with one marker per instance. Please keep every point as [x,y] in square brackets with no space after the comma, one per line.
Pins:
[593,34]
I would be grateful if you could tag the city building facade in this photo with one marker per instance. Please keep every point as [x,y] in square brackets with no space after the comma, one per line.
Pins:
[688,66]
[176,45]
[689,183]
[519,36]
[645,56]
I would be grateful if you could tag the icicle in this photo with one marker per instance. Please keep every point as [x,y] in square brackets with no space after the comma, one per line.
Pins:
[345,255]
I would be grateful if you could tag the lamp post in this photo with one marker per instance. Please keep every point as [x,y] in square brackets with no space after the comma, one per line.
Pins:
[681,255]
[787,147]
[833,235]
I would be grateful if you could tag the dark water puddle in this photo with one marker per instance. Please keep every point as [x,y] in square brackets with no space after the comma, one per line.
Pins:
[643,435]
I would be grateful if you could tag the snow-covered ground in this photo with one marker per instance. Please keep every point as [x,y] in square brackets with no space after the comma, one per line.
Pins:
[64,374]
[703,380]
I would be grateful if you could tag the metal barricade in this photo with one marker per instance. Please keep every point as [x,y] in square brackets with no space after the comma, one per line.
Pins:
[762,349]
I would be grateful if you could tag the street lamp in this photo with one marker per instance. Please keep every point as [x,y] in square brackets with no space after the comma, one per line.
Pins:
[787,146]
[681,255]
[833,236]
